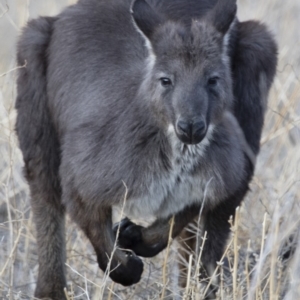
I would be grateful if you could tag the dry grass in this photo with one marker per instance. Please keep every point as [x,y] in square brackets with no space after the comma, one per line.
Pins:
[268,221]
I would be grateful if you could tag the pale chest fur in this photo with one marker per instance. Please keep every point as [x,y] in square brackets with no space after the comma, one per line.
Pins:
[183,185]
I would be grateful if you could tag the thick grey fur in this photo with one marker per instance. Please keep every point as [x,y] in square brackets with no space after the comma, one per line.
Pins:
[93,118]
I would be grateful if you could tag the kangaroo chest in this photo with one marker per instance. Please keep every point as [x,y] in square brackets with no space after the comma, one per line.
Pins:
[186,183]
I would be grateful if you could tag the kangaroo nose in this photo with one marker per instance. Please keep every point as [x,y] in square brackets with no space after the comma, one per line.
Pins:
[185,128]
[191,132]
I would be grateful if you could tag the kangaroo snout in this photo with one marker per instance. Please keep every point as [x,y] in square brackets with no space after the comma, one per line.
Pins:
[191,131]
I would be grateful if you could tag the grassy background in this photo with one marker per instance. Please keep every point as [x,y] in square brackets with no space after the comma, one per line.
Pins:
[268,217]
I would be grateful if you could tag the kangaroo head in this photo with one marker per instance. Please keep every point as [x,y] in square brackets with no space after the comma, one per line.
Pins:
[188,74]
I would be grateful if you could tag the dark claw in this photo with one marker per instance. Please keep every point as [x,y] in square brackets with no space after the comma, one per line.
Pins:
[122,224]
[131,237]
[130,234]
[128,274]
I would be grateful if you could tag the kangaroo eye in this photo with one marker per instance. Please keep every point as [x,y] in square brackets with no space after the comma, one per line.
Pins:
[213,81]
[165,81]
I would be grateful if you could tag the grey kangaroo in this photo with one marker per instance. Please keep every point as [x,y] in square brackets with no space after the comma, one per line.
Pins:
[164,97]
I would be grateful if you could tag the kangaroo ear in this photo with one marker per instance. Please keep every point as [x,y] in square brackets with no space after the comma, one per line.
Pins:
[223,14]
[145,17]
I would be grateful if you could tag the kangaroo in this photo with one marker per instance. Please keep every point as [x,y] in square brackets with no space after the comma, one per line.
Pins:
[164,97]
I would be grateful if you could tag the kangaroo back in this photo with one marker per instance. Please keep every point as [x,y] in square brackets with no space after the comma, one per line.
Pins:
[40,147]
[37,136]
[252,81]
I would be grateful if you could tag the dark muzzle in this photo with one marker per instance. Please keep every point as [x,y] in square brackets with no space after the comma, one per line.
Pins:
[191,132]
